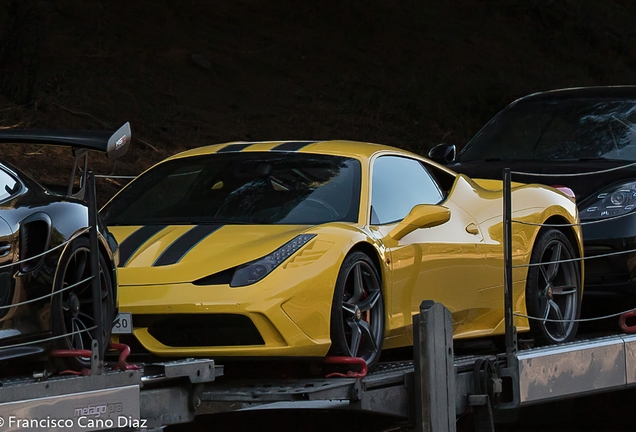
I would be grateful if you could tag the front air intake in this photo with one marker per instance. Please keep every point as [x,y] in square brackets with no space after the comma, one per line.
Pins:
[189,330]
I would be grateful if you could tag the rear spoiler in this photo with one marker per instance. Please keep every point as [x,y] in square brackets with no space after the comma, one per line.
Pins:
[113,144]
[81,141]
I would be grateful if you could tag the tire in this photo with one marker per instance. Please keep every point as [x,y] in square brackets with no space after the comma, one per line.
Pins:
[553,291]
[357,311]
[72,310]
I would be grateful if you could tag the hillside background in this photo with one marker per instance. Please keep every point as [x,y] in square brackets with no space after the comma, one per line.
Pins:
[189,73]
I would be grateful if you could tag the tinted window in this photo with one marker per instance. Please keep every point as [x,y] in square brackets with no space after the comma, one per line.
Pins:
[8,185]
[559,129]
[398,185]
[255,188]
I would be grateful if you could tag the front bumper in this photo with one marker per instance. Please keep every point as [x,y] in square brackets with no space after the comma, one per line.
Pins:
[616,274]
[268,319]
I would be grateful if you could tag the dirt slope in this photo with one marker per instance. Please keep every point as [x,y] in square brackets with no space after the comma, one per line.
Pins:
[406,73]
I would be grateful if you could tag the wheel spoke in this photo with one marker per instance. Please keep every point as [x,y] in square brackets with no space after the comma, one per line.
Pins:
[356,337]
[81,267]
[358,284]
[348,307]
[544,274]
[558,316]
[366,331]
[84,330]
[83,287]
[546,313]
[564,289]
[77,342]
[86,316]
[370,301]
[553,269]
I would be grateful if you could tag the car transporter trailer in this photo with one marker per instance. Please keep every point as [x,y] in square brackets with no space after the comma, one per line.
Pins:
[430,392]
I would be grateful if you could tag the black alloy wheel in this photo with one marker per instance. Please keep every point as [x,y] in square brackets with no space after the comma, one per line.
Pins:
[553,289]
[73,308]
[357,312]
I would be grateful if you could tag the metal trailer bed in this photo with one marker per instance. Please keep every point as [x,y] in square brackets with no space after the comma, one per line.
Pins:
[431,391]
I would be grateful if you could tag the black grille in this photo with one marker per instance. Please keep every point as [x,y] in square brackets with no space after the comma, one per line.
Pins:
[200,330]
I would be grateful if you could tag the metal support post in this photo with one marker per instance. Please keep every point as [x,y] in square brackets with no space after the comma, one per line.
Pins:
[434,369]
[98,333]
[511,342]
[509,402]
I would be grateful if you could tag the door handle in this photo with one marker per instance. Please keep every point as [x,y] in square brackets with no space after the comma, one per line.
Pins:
[5,248]
[471,228]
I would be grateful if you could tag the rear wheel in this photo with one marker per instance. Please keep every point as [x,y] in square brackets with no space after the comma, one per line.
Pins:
[72,311]
[357,312]
[553,289]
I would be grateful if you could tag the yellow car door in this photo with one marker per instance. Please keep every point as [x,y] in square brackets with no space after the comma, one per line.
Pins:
[444,263]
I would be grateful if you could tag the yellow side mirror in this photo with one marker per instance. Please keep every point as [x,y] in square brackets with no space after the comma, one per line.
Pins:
[420,216]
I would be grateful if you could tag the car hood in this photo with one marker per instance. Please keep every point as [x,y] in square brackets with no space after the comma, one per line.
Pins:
[583,185]
[155,255]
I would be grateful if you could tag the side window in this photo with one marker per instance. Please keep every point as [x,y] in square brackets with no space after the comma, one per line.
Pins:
[398,185]
[8,185]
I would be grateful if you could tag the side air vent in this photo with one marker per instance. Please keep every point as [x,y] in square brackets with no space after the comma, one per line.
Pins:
[35,233]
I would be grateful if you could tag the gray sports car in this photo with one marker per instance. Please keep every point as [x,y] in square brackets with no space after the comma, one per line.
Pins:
[46,300]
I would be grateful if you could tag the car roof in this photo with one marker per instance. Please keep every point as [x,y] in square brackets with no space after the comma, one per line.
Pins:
[360,150]
[363,151]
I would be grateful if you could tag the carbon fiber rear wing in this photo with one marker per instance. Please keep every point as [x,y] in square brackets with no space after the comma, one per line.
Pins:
[113,144]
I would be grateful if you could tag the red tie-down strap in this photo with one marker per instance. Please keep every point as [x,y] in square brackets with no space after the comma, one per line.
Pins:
[623,322]
[124,352]
[72,353]
[347,361]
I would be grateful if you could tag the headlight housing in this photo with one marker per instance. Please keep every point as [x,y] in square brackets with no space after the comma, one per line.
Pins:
[256,270]
[611,202]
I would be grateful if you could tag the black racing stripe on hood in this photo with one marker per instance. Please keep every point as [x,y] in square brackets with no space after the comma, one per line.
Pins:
[234,148]
[292,146]
[129,246]
[181,246]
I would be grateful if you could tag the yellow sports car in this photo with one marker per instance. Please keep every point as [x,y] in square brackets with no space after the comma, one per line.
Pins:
[311,248]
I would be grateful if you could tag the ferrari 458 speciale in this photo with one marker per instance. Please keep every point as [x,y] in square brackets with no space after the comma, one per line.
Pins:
[308,248]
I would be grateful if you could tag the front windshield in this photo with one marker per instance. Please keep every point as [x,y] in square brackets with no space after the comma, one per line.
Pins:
[248,187]
[575,129]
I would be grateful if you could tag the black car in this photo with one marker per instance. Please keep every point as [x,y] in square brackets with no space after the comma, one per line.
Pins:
[584,139]
[46,299]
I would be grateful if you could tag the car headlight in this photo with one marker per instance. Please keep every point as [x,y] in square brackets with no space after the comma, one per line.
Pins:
[614,201]
[256,270]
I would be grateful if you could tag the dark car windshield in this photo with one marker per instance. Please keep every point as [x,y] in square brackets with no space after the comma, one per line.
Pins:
[253,188]
[572,129]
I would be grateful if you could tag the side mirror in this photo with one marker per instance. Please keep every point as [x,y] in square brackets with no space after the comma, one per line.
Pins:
[443,153]
[420,216]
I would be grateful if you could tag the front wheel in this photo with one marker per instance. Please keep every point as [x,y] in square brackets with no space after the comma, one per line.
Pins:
[357,312]
[553,289]
[72,309]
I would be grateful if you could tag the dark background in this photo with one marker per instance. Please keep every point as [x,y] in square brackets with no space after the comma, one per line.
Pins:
[401,72]
[190,73]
